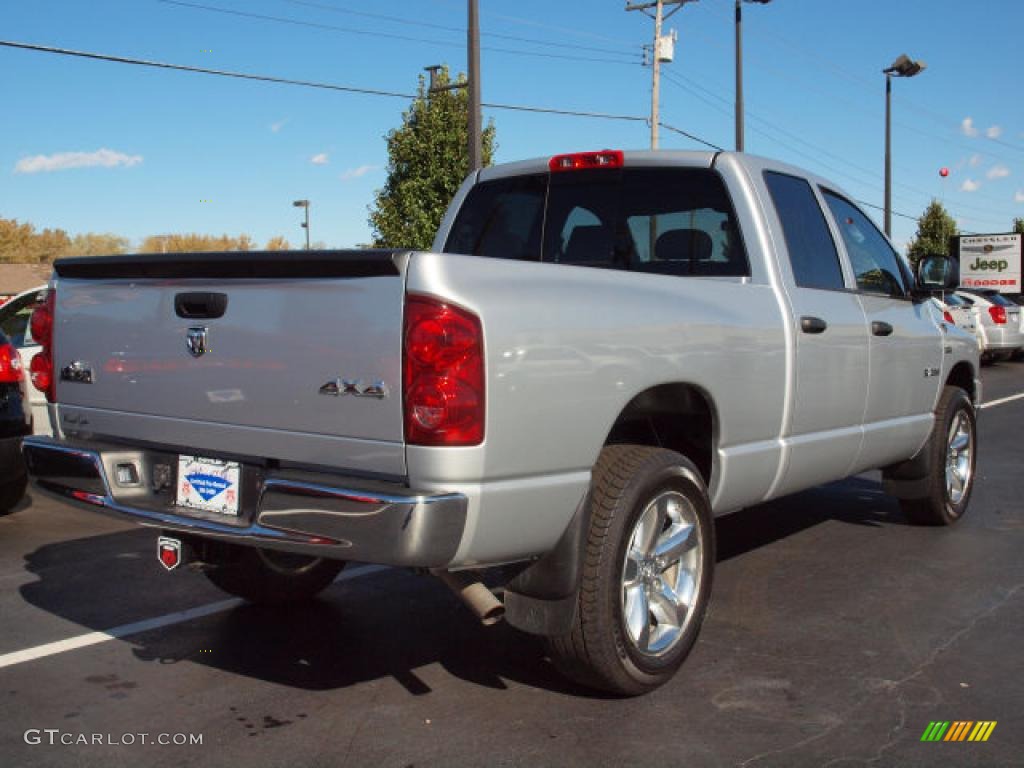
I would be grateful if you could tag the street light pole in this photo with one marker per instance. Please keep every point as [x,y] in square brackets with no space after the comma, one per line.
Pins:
[305,224]
[475,119]
[888,154]
[739,69]
[904,66]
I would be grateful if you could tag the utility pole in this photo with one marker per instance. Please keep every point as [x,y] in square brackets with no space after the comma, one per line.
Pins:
[660,55]
[475,118]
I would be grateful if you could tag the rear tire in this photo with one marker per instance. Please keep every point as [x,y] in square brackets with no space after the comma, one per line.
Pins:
[953,454]
[266,576]
[646,574]
[11,493]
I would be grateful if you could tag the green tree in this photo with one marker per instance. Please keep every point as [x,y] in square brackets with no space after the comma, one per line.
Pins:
[1018,226]
[427,161]
[97,244]
[934,229]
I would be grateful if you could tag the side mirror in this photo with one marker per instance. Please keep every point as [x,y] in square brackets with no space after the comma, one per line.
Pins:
[937,273]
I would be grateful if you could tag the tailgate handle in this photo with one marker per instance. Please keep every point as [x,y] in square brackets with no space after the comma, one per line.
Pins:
[200,305]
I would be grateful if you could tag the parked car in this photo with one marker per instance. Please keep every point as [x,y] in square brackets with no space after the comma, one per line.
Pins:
[956,311]
[603,351]
[999,321]
[15,423]
[14,323]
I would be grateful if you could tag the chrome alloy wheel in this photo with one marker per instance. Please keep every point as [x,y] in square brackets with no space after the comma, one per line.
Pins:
[661,574]
[959,446]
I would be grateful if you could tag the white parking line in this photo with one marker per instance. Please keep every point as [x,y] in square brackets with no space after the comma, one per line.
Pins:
[1003,400]
[92,638]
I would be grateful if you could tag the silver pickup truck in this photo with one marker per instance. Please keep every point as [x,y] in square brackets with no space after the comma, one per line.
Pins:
[604,351]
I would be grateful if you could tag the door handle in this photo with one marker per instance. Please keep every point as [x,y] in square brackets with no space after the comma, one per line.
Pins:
[200,305]
[878,328]
[810,324]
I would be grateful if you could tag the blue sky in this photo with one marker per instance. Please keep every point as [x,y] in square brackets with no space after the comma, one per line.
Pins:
[94,146]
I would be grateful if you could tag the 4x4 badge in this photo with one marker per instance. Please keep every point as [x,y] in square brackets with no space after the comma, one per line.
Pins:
[355,387]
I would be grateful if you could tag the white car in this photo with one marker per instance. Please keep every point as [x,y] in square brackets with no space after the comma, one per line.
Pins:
[956,311]
[999,321]
[14,324]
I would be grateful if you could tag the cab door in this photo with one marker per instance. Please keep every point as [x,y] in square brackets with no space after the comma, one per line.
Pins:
[905,342]
[823,436]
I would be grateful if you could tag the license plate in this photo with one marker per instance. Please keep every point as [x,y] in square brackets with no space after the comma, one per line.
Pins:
[210,485]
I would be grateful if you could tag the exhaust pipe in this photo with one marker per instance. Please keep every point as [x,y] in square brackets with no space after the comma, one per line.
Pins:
[478,598]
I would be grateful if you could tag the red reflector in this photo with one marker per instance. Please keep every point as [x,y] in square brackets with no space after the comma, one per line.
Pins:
[443,374]
[10,365]
[169,552]
[998,315]
[41,370]
[948,317]
[578,161]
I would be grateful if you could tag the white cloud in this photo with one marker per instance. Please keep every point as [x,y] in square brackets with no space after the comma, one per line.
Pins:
[975,161]
[276,127]
[970,185]
[994,131]
[355,173]
[320,159]
[998,172]
[1019,197]
[61,161]
[967,127]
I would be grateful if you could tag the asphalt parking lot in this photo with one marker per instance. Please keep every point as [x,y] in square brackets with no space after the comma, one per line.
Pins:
[836,634]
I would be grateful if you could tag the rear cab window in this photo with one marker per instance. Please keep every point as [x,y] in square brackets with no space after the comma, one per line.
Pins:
[672,221]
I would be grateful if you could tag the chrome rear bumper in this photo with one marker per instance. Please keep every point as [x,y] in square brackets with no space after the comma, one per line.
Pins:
[300,512]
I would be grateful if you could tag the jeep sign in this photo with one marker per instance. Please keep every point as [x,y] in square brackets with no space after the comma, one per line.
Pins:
[989,261]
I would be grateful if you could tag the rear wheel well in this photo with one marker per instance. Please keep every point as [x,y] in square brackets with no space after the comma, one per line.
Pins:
[679,417]
[962,376]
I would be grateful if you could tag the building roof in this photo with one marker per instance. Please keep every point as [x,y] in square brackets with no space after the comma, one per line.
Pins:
[15,278]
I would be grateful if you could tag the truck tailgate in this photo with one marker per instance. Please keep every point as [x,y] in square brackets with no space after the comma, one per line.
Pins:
[293,330]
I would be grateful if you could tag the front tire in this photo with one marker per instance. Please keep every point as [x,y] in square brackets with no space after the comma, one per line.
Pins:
[953,454]
[646,575]
[266,576]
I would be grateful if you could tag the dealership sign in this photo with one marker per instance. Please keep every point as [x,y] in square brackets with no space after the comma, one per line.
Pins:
[989,261]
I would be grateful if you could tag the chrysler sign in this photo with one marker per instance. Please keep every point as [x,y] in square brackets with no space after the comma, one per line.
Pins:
[990,261]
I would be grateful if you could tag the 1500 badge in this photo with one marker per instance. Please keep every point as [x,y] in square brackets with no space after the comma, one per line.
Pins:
[355,387]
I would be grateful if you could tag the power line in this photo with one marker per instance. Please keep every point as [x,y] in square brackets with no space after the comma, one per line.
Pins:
[384,35]
[203,70]
[303,83]
[448,28]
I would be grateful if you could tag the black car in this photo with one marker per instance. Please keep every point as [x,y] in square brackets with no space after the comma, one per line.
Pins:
[15,423]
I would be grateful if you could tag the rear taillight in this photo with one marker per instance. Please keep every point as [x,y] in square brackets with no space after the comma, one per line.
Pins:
[442,374]
[10,365]
[998,314]
[578,161]
[948,317]
[41,367]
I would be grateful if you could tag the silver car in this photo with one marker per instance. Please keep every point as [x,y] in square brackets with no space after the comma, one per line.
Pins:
[999,321]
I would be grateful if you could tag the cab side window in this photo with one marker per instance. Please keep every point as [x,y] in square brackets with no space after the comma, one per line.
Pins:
[812,252]
[875,263]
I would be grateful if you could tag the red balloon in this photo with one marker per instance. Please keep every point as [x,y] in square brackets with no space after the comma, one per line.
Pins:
[943,172]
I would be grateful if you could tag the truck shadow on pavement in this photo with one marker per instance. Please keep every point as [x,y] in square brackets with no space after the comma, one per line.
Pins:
[390,623]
